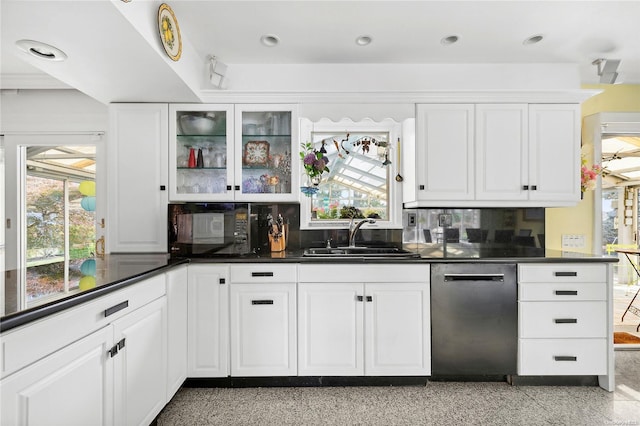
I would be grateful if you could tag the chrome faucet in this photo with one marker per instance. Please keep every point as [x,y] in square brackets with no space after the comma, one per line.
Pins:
[353,230]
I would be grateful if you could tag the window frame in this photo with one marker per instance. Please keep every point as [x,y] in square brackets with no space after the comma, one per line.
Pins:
[394,196]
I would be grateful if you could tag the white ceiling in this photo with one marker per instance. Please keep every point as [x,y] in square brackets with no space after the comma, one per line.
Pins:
[115,55]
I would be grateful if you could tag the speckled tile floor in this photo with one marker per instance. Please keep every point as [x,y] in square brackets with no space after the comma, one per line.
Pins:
[437,403]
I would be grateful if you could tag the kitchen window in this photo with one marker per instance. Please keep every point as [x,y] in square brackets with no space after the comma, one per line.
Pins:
[361,182]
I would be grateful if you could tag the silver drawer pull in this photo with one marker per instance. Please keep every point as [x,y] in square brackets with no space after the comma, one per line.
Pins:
[262,302]
[565,274]
[112,310]
[566,292]
[474,277]
[262,274]
[566,320]
[565,358]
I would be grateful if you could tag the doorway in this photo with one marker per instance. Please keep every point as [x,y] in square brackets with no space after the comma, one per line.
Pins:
[618,141]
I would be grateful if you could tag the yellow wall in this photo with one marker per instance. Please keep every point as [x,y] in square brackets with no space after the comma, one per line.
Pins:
[579,219]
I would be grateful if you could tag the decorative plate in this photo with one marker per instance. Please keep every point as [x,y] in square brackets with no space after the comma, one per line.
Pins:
[169,32]
[256,153]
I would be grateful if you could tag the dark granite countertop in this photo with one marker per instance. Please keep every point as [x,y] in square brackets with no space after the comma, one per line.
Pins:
[113,272]
[116,271]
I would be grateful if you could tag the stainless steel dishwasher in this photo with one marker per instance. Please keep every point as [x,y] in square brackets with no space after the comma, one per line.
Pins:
[474,319]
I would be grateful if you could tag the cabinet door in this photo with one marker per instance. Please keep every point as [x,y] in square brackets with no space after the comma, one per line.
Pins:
[501,152]
[140,365]
[208,323]
[263,330]
[137,194]
[554,152]
[73,386]
[267,160]
[201,152]
[397,329]
[176,329]
[330,324]
[445,157]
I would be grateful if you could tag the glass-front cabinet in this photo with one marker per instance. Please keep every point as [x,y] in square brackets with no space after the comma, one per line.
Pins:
[225,152]
[201,152]
[267,155]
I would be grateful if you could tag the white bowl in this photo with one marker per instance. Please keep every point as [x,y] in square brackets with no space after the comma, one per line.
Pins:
[195,125]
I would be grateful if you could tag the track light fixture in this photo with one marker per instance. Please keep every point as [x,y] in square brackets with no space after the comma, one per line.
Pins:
[217,71]
[607,69]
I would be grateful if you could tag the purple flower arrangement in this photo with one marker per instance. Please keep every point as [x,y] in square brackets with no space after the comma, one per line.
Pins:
[314,161]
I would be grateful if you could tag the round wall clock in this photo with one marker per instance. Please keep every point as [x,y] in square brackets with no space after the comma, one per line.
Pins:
[169,32]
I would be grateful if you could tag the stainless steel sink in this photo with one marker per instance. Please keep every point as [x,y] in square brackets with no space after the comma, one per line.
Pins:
[377,252]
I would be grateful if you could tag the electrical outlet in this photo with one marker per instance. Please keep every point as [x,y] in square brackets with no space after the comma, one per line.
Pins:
[572,241]
[411,219]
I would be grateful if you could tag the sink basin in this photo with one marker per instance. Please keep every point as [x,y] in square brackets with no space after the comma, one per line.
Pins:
[378,252]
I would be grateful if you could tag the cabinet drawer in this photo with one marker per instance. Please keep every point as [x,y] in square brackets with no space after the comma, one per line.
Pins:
[562,357]
[556,319]
[561,291]
[562,273]
[368,273]
[263,273]
[25,345]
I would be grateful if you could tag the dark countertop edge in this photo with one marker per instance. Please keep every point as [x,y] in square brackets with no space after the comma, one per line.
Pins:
[24,317]
[21,318]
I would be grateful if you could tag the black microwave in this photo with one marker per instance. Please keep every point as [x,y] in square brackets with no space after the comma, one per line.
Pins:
[209,229]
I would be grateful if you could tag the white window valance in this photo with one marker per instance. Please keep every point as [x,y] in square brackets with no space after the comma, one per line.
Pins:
[357,112]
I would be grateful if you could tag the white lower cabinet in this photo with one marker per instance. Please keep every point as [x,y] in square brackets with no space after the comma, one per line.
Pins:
[140,364]
[263,320]
[115,375]
[263,330]
[208,321]
[177,282]
[73,386]
[563,326]
[373,321]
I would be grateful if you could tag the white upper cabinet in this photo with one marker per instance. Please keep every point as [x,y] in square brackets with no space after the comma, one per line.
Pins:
[137,178]
[444,152]
[201,152]
[222,152]
[501,152]
[495,155]
[554,152]
[267,146]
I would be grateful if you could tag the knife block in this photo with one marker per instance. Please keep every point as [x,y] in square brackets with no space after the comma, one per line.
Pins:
[279,243]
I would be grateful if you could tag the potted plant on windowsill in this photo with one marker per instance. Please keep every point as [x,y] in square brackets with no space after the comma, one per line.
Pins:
[315,164]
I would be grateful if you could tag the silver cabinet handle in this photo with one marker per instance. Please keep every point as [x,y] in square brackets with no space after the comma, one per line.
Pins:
[112,310]
[566,320]
[565,358]
[262,274]
[566,292]
[262,302]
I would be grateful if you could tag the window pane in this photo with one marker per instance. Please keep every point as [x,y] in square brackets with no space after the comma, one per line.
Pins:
[82,234]
[358,181]
[45,237]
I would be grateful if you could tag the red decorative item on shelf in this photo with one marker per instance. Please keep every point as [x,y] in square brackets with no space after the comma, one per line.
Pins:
[192,158]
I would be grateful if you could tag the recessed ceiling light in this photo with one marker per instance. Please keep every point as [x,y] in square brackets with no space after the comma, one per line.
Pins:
[269,40]
[533,39]
[449,40]
[363,40]
[41,50]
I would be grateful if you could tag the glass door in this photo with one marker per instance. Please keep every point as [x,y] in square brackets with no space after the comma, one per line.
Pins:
[200,152]
[56,220]
[266,153]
